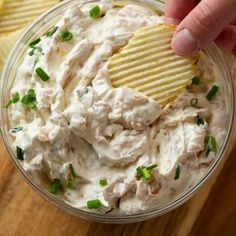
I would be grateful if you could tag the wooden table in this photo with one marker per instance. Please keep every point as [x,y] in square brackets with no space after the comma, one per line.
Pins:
[212,211]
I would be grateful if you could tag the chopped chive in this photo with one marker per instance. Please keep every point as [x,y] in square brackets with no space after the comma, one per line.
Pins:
[29,99]
[211,145]
[198,120]
[146,173]
[31,53]
[93,204]
[177,171]
[35,62]
[8,104]
[70,182]
[151,167]
[103,182]
[35,42]
[72,177]
[15,97]
[42,74]
[211,94]
[72,171]
[16,129]
[194,102]
[32,105]
[139,172]
[51,32]
[66,35]
[55,186]
[195,80]
[19,153]
[31,95]
[94,12]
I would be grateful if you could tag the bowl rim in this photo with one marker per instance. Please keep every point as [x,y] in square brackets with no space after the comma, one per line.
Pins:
[94,216]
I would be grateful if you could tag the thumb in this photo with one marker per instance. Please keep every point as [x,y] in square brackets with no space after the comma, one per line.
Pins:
[202,25]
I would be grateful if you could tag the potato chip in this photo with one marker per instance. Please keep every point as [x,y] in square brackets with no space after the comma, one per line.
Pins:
[149,65]
[6,43]
[15,14]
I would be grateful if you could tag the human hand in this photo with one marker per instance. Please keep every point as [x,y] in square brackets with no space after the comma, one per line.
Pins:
[201,22]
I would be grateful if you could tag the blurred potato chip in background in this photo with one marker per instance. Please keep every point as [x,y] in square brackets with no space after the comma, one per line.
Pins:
[6,43]
[14,16]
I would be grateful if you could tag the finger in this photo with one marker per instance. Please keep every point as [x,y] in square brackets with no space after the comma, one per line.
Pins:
[234,52]
[233,22]
[176,10]
[202,25]
[227,39]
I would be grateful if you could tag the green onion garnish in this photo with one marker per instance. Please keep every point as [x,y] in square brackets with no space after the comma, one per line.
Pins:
[194,102]
[103,182]
[35,62]
[94,12]
[195,80]
[14,99]
[72,176]
[66,35]
[72,171]
[211,145]
[19,153]
[93,204]
[139,172]
[8,104]
[42,74]
[16,129]
[35,42]
[146,173]
[151,167]
[29,100]
[70,182]
[177,171]
[51,32]
[55,186]
[31,53]
[211,94]
[198,120]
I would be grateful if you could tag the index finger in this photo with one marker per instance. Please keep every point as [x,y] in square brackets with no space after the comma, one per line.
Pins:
[176,10]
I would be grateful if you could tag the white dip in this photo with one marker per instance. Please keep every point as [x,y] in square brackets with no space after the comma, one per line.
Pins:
[105,132]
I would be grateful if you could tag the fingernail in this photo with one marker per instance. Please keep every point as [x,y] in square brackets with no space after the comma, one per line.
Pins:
[184,43]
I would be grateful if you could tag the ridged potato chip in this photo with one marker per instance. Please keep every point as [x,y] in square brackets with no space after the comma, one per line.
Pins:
[15,14]
[6,43]
[149,65]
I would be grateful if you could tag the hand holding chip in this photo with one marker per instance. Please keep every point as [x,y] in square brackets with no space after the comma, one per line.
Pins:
[200,22]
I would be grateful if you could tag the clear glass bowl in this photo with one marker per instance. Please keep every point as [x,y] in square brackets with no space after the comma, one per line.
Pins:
[39,26]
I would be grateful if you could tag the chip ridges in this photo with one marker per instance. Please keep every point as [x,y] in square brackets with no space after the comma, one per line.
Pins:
[6,43]
[149,65]
[15,14]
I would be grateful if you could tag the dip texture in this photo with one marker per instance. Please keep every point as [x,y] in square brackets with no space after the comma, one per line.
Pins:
[69,118]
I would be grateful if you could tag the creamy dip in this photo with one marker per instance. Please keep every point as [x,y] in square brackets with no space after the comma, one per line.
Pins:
[106,133]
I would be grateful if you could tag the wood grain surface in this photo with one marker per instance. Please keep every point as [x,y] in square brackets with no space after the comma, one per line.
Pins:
[212,211]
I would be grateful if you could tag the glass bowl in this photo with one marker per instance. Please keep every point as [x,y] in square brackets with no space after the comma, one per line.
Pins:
[14,59]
